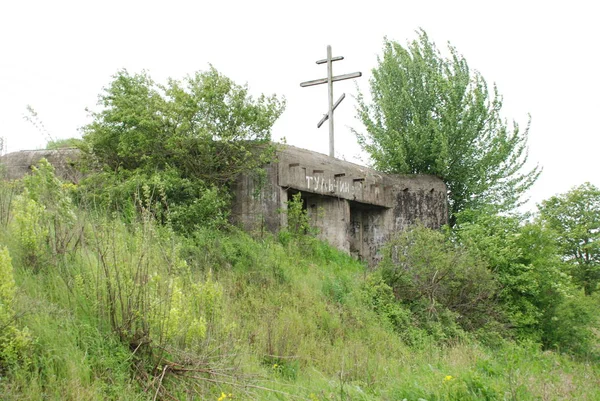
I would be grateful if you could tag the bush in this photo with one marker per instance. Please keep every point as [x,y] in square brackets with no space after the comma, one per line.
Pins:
[44,221]
[187,140]
[380,297]
[570,328]
[14,342]
[536,296]
[185,204]
[438,279]
[31,229]
[8,193]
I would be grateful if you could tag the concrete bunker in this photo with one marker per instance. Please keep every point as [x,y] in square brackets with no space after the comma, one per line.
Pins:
[354,208]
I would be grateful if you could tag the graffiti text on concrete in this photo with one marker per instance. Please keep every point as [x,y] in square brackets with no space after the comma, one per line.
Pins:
[322,184]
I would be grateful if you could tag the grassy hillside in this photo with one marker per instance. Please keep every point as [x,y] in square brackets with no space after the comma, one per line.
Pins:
[94,307]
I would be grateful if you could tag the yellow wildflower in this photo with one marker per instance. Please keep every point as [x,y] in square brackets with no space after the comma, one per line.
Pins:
[447,378]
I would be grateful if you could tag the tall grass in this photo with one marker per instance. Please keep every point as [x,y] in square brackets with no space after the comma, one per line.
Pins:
[131,311]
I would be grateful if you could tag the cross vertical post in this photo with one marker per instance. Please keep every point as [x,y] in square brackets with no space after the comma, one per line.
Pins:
[329,81]
[330,93]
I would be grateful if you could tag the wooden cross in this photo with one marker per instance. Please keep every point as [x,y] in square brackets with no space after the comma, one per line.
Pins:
[329,81]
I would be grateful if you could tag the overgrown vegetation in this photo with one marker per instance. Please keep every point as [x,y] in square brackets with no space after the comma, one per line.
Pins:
[97,307]
[133,285]
[575,218]
[186,140]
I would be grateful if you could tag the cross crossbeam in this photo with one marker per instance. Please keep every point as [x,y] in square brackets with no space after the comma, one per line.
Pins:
[337,58]
[335,105]
[336,78]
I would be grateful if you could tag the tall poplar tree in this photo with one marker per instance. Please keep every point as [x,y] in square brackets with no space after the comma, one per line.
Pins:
[431,114]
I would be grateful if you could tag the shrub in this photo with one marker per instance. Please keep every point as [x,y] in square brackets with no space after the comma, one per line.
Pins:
[31,231]
[14,342]
[44,222]
[380,297]
[537,299]
[435,276]
[190,139]
[570,328]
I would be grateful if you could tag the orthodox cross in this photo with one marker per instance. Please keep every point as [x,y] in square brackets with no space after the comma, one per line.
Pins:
[329,81]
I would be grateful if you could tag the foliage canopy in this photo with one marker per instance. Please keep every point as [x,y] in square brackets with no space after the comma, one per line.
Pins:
[201,125]
[188,139]
[575,217]
[430,114]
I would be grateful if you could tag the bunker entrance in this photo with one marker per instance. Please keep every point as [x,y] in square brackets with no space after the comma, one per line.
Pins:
[330,215]
[357,228]
[366,231]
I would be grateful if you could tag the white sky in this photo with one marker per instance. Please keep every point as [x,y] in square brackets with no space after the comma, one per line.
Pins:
[57,55]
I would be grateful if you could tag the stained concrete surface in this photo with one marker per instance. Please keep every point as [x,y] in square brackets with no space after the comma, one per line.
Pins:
[354,208]
[18,164]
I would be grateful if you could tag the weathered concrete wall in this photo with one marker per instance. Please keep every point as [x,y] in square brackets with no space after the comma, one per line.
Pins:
[316,173]
[330,216]
[18,164]
[355,208]
[370,227]
[258,200]
[425,200]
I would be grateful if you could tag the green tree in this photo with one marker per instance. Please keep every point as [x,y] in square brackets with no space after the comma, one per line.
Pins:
[186,139]
[202,125]
[575,217]
[524,260]
[431,114]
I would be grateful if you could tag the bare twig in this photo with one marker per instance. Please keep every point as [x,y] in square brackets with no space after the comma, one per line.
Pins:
[160,382]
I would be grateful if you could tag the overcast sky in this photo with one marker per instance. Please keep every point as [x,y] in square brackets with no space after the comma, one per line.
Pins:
[57,55]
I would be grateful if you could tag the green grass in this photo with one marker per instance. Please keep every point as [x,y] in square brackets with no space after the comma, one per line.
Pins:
[284,320]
